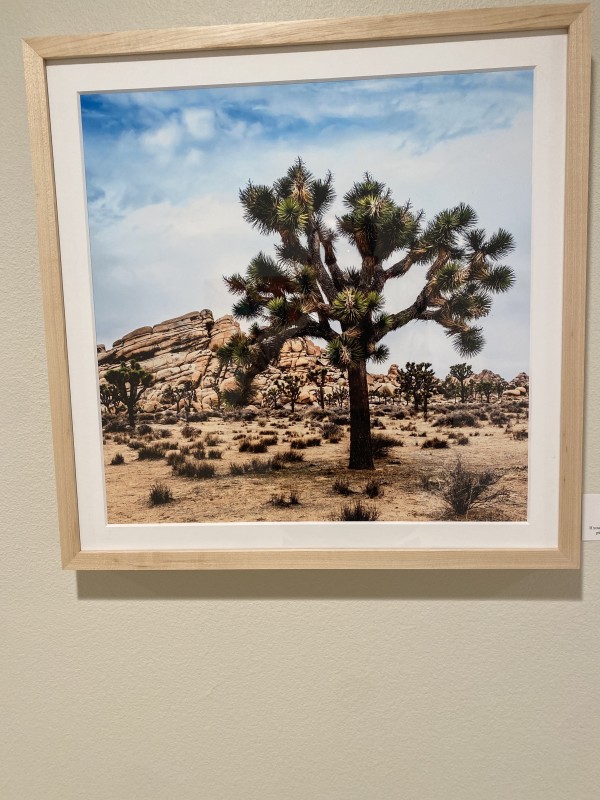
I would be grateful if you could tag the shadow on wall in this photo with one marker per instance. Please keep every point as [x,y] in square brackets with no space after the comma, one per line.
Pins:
[332,584]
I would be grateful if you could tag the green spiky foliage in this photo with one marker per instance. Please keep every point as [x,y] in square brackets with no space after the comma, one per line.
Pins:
[318,375]
[303,290]
[462,372]
[290,387]
[129,382]
[183,394]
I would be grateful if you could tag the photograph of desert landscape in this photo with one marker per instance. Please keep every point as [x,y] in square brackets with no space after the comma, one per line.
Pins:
[312,299]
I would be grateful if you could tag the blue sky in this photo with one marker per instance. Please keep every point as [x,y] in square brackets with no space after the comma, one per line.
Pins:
[163,171]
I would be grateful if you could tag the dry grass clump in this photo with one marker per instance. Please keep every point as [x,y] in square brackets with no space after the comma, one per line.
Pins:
[457,419]
[374,489]
[291,457]
[215,454]
[436,444]
[357,512]
[307,441]
[341,486]
[285,499]
[117,459]
[381,444]
[159,495]
[252,446]
[152,452]
[187,469]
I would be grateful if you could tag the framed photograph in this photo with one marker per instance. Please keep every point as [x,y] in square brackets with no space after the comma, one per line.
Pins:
[314,291]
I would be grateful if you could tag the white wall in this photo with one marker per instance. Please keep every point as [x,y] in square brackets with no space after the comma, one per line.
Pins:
[344,686]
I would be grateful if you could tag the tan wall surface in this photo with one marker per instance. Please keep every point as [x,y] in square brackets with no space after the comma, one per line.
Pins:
[416,686]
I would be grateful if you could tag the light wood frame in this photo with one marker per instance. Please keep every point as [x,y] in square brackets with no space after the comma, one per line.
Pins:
[575,20]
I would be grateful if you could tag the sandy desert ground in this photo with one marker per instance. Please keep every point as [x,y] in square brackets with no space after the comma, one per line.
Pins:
[406,477]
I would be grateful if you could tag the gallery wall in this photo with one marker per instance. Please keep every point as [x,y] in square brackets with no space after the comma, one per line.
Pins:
[424,685]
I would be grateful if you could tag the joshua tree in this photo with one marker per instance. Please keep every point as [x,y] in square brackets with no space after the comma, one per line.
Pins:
[450,388]
[499,388]
[291,386]
[318,376]
[305,291]
[340,394]
[108,398]
[184,393]
[130,381]
[485,388]
[418,384]
[462,372]
[272,396]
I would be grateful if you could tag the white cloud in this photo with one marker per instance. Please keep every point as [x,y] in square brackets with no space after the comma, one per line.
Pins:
[199,123]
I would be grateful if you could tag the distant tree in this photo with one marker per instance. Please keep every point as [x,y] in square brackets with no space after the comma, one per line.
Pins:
[290,386]
[485,388]
[272,396]
[108,398]
[418,384]
[450,388]
[183,394]
[340,394]
[129,381]
[428,385]
[499,387]
[318,375]
[305,291]
[462,372]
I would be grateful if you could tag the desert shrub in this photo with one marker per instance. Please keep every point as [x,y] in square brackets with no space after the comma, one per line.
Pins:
[116,426]
[144,429]
[259,465]
[215,454]
[187,469]
[341,419]
[463,440]
[381,444]
[119,438]
[463,489]
[377,423]
[188,432]
[159,495]
[262,423]
[298,444]
[269,440]
[164,433]
[498,418]
[436,443]
[212,440]
[357,512]
[117,459]
[457,419]
[174,458]
[373,489]
[236,469]
[331,431]
[398,415]
[313,441]
[168,420]
[520,435]
[198,452]
[452,435]
[252,446]
[152,452]
[290,457]
[197,416]
[341,486]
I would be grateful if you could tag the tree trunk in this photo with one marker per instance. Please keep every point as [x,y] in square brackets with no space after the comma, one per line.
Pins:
[361,452]
[131,414]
